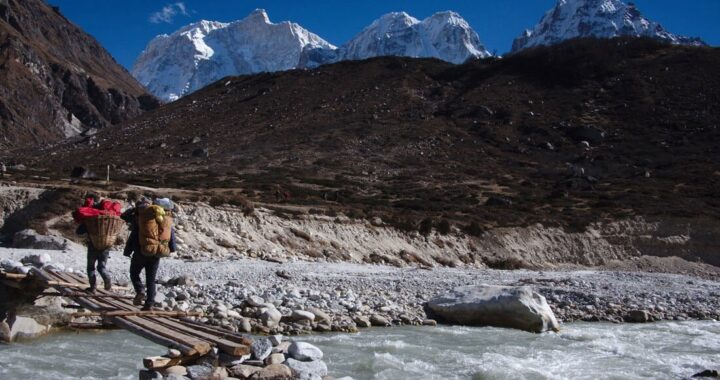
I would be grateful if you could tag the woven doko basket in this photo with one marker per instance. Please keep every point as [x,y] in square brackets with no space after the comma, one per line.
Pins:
[103,230]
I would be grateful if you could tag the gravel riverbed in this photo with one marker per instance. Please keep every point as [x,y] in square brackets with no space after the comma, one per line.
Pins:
[244,295]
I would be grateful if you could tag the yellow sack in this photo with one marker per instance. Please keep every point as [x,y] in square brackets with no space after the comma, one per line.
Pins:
[155,230]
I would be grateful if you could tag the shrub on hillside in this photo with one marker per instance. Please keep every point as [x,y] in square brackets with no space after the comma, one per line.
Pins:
[444,227]
[425,227]
[505,263]
[473,229]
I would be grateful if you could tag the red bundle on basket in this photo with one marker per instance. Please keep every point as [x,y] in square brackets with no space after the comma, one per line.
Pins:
[107,207]
[103,223]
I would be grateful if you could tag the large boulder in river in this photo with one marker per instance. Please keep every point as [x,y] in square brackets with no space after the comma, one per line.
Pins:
[491,305]
[315,369]
[305,352]
[24,328]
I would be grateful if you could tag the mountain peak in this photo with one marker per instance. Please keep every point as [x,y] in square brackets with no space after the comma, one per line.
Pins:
[206,51]
[396,16]
[594,18]
[203,52]
[204,26]
[444,35]
[393,20]
[258,15]
[450,16]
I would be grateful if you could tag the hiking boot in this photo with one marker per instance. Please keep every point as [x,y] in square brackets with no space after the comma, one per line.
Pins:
[139,299]
[90,289]
[147,307]
[108,286]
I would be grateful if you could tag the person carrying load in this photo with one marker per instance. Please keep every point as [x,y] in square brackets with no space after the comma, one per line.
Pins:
[100,220]
[152,237]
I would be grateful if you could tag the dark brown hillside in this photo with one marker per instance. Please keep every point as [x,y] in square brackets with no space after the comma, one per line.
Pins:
[584,131]
[57,81]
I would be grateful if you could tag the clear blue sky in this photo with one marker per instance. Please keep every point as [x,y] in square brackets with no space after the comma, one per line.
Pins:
[125,26]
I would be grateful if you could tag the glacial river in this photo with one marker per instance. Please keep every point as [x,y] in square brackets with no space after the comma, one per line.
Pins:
[667,350]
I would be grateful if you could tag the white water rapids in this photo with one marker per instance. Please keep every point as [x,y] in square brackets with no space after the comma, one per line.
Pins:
[666,350]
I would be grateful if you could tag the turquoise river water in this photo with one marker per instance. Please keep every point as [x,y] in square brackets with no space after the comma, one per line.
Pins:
[667,350]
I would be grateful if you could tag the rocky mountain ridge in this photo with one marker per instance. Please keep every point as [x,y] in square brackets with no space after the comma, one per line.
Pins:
[198,54]
[595,18]
[201,53]
[444,35]
[577,133]
[56,81]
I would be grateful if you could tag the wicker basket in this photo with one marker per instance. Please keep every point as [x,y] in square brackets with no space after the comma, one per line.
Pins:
[103,230]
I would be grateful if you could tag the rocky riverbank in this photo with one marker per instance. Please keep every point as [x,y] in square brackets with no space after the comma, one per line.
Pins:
[301,297]
[270,358]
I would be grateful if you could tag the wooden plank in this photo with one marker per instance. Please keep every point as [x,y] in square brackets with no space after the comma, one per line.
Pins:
[222,333]
[75,281]
[13,276]
[160,362]
[81,285]
[138,329]
[149,334]
[142,326]
[85,295]
[229,347]
[129,313]
[156,338]
[155,362]
[62,277]
[161,331]
[49,276]
[87,326]
[235,346]
[200,346]
[223,339]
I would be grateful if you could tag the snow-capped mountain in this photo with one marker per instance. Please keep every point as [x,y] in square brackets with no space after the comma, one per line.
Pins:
[201,53]
[594,18]
[175,65]
[444,35]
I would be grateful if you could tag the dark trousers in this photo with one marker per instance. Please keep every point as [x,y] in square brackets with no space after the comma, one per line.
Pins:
[150,265]
[100,258]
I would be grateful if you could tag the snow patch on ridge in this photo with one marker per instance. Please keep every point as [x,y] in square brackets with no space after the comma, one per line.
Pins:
[594,18]
[203,52]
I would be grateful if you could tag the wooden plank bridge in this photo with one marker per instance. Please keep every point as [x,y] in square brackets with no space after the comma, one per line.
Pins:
[174,330]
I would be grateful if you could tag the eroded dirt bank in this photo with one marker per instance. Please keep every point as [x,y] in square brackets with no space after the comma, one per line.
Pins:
[207,232]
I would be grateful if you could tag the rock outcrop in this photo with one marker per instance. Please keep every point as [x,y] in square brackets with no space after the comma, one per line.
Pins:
[23,328]
[30,239]
[56,81]
[337,139]
[500,306]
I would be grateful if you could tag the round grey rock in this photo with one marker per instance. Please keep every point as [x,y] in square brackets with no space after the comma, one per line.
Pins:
[304,352]
[261,348]
[308,370]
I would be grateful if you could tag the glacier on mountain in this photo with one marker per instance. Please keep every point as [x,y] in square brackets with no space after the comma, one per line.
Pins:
[201,53]
[444,35]
[594,18]
[175,65]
